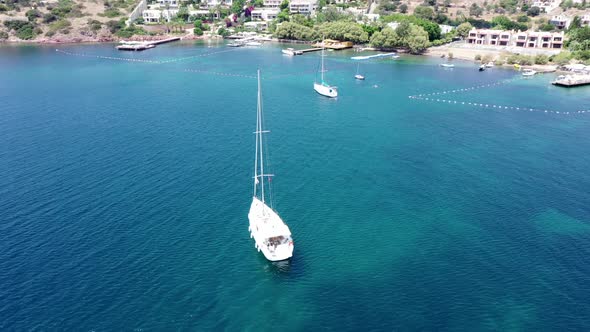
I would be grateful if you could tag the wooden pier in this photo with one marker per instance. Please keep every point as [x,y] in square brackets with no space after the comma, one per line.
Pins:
[144,45]
[315,49]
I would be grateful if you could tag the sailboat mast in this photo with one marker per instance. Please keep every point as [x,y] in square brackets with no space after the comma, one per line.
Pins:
[259,130]
[323,61]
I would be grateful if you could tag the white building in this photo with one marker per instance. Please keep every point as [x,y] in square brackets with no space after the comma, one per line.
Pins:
[526,39]
[169,3]
[156,14]
[444,29]
[272,3]
[393,25]
[265,14]
[213,3]
[561,21]
[546,6]
[258,25]
[305,7]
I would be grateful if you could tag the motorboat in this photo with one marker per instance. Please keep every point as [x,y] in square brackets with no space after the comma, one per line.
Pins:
[528,72]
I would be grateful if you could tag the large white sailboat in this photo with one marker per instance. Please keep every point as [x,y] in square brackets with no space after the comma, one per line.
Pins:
[271,235]
[322,87]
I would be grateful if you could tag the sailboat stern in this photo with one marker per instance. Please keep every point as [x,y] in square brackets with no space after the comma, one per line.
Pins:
[271,235]
[326,90]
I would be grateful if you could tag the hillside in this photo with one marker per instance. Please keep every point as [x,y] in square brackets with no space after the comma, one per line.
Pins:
[63,20]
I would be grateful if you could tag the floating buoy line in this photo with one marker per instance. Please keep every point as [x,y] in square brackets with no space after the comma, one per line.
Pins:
[104,57]
[435,97]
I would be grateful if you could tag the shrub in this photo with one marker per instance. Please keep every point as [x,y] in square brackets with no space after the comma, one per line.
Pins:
[60,26]
[477,57]
[562,58]
[223,32]
[32,14]
[486,58]
[541,59]
[112,12]
[3,8]
[49,17]
[3,35]
[25,33]
[198,31]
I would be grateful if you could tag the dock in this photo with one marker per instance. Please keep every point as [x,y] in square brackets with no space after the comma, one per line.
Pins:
[143,45]
[315,49]
[380,55]
[572,80]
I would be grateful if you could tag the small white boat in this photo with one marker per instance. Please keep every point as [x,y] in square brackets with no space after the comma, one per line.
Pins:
[528,72]
[253,43]
[322,87]
[270,233]
[289,51]
[358,76]
[235,44]
[482,67]
[447,65]
[489,64]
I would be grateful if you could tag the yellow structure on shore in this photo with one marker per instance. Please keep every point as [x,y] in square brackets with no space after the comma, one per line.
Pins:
[334,44]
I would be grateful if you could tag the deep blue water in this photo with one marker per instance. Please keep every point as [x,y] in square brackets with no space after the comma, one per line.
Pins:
[125,187]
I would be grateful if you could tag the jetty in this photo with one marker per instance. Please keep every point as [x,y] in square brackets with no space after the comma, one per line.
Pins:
[143,45]
[572,80]
[366,57]
[314,49]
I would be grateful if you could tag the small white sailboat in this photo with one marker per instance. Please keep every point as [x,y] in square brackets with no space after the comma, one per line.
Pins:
[358,76]
[270,233]
[322,87]
[447,65]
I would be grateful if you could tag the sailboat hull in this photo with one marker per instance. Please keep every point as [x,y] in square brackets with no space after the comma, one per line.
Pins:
[271,235]
[328,91]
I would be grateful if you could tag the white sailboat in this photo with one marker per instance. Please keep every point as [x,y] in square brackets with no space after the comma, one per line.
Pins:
[271,235]
[324,88]
[358,76]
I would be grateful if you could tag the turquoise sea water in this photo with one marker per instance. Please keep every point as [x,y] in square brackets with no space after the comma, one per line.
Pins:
[125,189]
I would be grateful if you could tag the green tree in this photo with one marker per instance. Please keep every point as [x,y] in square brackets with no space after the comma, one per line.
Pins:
[284,5]
[386,38]
[403,29]
[403,8]
[418,40]
[290,30]
[341,30]
[3,35]
[424,12]
[283,15]
[463,29]
[237,6]
[198,31]
[475,10]
[534,11]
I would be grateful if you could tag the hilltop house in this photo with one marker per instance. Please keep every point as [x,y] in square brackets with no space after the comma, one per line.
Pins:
[561,21]
[306,7]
